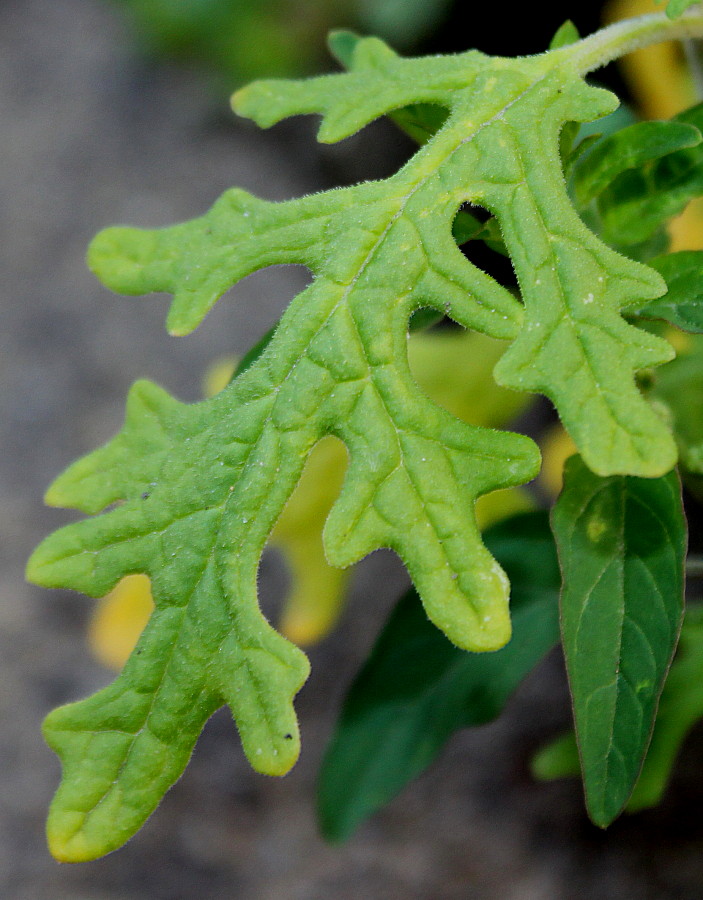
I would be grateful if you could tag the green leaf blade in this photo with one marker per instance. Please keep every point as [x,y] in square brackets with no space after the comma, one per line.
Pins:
[416,689]
[629,148]
[198,489]
[682,305]
[640,200]
[622,543]
[680,707]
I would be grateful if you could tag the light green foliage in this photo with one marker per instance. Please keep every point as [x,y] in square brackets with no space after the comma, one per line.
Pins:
[572,344]
[557,759]
[416,689]
[238,40]
[622,544]
[676,7]
[566,34]
[189,494]
[235,39]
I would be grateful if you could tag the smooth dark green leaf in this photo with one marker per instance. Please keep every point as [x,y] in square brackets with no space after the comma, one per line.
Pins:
[576,148]
[629,148]
[641,200]
[416,689]
[342,43]
[680,707]
[622,544]
[682,305]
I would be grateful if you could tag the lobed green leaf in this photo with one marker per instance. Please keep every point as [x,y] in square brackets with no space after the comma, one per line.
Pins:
[189,494]
[622,544]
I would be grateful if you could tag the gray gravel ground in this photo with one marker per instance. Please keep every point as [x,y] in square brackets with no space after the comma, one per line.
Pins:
[91,136]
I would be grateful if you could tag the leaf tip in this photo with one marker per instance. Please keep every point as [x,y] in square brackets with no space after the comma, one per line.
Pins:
[119,256]
[40,568]
[187,312]
[238,100]
[68,845]
[342,43]
[32,571]
[258,101]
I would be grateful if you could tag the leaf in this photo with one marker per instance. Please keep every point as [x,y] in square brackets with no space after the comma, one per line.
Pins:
[641,200]
[462,385]
[572,330]
[556,447]
[629,148]
[566,34]
[191,493]
[557,759]
[234,40]
[416,688]
[404,21]
[420,121]
[622,543]
[682,305]
[676,7]
[679,386]
[680,707]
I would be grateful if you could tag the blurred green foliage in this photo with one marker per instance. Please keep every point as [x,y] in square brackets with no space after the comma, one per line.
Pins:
[239,40]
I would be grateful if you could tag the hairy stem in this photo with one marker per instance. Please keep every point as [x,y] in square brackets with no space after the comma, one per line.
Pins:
[623,37]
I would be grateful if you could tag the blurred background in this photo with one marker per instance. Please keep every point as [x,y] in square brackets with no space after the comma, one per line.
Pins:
[116,111]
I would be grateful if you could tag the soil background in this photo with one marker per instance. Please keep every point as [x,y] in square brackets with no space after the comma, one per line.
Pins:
[92,135]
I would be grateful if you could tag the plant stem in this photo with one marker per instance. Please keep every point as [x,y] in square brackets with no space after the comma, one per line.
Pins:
[695,65]
[694,566]
[623,37]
